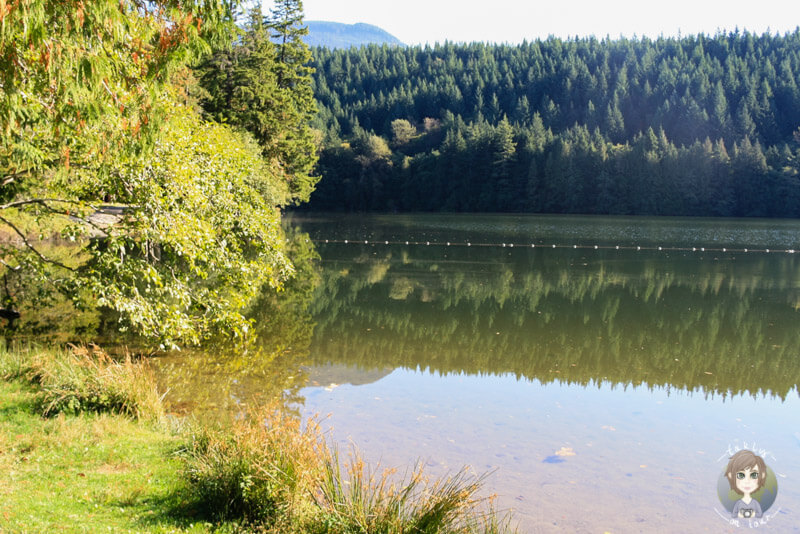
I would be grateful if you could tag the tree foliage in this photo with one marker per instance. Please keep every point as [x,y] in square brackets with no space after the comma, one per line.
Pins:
[597,126]
[168,221]
[263,85]
[82,81]
[202,240]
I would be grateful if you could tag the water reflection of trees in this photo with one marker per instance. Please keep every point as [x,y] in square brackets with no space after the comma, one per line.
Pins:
[220,380]
[721,324]
[46,315]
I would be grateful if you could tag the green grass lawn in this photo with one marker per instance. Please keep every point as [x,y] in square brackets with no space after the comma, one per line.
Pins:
[87,473]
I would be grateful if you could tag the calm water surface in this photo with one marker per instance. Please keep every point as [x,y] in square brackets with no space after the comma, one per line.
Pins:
[603,388]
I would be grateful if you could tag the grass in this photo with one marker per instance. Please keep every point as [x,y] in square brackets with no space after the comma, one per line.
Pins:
[85,447]
[261,470]
[85,473]
[363,500]
[85,380]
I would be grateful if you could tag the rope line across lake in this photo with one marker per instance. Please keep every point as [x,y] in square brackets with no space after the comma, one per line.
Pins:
[557,246]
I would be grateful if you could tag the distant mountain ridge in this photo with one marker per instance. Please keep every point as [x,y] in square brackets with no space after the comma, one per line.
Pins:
[339,35]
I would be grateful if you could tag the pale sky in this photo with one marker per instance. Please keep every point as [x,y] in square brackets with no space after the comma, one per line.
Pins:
[511,21]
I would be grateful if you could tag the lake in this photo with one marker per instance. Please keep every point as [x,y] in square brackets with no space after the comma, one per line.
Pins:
[602,370]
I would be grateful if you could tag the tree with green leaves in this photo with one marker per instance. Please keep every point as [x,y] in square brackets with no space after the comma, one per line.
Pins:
[116,194]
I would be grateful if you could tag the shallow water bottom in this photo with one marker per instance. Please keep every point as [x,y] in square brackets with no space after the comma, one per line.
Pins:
[572,458]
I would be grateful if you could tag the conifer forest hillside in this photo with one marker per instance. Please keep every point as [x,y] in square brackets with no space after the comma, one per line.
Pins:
[698,125]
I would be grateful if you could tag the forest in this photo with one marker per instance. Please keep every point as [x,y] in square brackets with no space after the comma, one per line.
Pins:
[696,125]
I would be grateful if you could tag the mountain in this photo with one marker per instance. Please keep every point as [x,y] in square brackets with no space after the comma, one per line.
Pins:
[338,35]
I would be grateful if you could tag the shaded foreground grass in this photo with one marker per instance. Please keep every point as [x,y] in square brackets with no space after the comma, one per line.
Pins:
[85,447]
[84,473]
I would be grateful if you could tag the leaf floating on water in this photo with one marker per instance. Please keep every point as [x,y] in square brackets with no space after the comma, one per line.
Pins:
[565,451]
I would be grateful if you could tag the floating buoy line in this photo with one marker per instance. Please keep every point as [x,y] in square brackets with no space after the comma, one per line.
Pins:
[557,246]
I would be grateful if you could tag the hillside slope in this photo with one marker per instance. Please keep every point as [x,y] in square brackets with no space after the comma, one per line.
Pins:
[339,35]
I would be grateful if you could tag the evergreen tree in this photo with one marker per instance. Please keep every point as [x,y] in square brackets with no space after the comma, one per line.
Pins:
[681,90]
[504,152]
[263,84]
[294,146]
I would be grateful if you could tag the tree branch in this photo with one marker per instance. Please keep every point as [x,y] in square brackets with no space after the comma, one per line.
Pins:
[43,202]
[32,248]
[9,266]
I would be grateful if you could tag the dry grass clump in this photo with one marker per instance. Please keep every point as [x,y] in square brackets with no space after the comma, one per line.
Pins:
[260,471]
[363,501]
[85,379]
[271,474]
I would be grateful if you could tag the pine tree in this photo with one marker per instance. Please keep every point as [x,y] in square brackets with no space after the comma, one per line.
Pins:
[719,110]
[263,84]
[504,150]
[294,143]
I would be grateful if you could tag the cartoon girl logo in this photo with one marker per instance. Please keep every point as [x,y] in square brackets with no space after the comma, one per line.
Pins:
[748,487]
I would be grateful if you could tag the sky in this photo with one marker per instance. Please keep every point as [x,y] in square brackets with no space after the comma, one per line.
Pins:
[512,21]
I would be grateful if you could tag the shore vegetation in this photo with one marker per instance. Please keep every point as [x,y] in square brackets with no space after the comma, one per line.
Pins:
[85,445]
